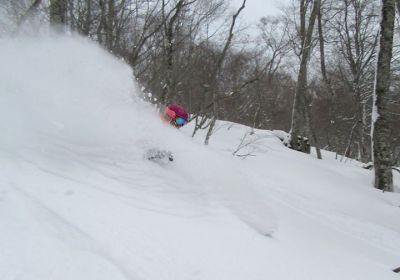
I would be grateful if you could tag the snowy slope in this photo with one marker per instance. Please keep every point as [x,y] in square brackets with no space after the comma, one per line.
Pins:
[79,201]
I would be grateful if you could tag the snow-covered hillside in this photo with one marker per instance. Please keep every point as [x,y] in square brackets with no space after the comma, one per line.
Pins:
[79,201]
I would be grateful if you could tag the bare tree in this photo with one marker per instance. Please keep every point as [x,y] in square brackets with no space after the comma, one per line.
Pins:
[145,29]
[300,128]
[217,71]
[355,24]
[275,45]
[169,28]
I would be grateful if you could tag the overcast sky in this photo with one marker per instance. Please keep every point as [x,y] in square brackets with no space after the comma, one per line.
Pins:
[255,9]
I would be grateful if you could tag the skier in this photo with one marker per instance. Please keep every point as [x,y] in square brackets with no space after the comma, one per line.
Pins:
[175,115]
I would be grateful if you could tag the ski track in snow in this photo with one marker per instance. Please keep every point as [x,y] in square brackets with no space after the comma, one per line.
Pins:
[72,235]
[141,181]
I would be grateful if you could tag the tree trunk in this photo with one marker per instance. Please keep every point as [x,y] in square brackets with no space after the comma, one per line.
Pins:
[103,21]
[300,128]
[380,126]
[364,153]
[58,12]
[210,130]
[218,69]
[88,19]
[169,84]
[109,27]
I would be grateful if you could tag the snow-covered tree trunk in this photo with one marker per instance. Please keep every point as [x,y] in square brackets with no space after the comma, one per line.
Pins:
[380,126]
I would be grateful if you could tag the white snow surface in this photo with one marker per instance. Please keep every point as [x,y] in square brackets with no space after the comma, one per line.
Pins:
[79,201]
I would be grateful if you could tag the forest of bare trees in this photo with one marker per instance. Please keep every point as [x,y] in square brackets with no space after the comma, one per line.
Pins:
[310,70]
